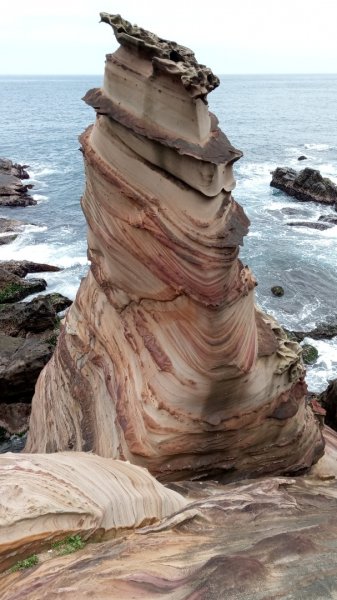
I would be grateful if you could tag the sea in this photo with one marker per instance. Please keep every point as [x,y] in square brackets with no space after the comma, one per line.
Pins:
[273,119]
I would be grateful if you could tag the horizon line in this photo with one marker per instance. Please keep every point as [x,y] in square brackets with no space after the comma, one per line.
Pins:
[101,74]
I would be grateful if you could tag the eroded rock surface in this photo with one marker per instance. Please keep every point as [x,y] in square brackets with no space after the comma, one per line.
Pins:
[258,539]
[164,359]
[47,497]
[307,184]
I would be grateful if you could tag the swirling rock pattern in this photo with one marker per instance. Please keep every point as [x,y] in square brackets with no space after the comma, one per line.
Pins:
[258,539]
[47,497]
[164,359]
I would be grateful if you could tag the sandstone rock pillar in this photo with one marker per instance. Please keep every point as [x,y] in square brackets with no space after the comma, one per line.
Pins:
[164,360]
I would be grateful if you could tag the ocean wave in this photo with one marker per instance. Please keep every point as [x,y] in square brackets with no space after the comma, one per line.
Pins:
[39,197]
[319,147]
[39,172]
[325,368]
[32,228]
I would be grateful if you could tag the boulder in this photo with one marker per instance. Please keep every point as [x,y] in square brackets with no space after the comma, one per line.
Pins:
[164,360]
[277,290]
[307,184]
[309,354]
[302,157]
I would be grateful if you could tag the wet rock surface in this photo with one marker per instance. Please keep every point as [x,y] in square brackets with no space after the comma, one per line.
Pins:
[12,191]
[9,230]
[323,331]
[307,184]
[14,288]
[277,290]
[321,226]
[309,354]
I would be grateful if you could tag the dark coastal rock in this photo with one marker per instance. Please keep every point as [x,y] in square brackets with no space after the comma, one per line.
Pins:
[14,418]
[302,157]
[12,191]
[13,443]
[295,210]
[311,225]
[14,288]
[21,360]
[328,400]
[307,184]
[28,334]
[7,166]
[9,229]
[324,331]
[328,219]
[22,267]
[28,330]
[309,354]
[8,239]
[277,290]
[10,225]
[36,316]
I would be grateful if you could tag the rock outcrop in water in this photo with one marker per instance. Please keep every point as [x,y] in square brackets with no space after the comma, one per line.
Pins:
[12,191]
[307,184]
[164,360]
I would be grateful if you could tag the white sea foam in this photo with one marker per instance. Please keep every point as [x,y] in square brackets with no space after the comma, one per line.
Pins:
[255,176]
[255,234]
[31,228]
[325,367]
[39,198]
[39,172]
[318,147]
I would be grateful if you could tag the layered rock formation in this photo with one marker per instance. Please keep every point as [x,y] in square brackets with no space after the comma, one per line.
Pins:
[307,184]
[164,359]
[45,498]
[258,539]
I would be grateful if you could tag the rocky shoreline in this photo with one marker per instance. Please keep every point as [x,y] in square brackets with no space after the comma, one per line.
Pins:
[13,192]
[305,185]
[163,361]
[28,335]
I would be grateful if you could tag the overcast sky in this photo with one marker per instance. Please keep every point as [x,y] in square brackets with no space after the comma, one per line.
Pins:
[230,36]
